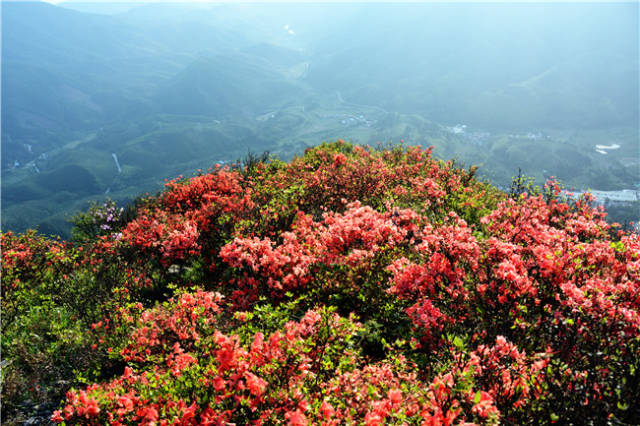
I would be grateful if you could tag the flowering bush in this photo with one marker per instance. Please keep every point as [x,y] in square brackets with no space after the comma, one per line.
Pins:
[100,219]
[184,369]
[348,286]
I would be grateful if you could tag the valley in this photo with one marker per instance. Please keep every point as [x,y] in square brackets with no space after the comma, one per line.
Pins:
[121,163]
[113,106]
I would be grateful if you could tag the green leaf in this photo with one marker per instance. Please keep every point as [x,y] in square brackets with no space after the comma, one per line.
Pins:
[477,398]
[458,343]
[622,407]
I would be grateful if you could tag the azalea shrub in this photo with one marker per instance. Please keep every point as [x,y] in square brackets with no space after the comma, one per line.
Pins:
[48,301]
[53,295]
[348,286]
[100,219]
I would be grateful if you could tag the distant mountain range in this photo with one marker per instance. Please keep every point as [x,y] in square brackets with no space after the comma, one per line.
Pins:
[173,87]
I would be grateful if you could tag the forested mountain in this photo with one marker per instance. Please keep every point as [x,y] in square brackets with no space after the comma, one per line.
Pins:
[170,88]
[533,65]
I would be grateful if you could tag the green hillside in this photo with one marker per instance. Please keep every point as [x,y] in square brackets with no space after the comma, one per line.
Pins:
[173,88]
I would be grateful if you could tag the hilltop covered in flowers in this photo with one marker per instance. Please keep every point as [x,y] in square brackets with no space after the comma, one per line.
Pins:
[348,286]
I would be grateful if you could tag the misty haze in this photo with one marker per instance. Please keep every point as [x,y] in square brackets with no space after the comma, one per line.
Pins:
[551,89]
